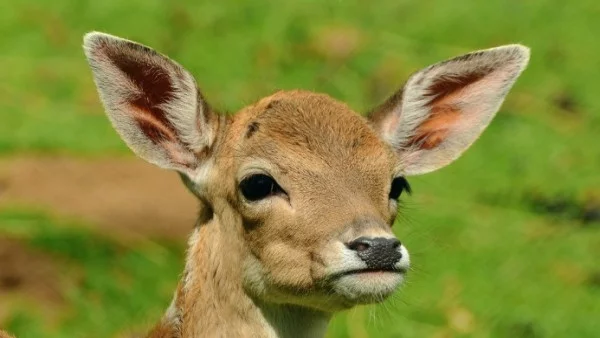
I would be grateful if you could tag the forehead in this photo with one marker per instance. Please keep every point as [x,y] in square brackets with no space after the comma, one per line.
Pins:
[299,128]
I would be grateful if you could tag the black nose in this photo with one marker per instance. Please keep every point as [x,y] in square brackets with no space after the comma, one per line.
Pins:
[379,253]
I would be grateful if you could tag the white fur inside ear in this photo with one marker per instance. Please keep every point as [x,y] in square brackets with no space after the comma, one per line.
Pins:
[445,107]
[152,101]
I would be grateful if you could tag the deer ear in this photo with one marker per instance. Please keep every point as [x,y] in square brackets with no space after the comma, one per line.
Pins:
[444,108]
[152,102]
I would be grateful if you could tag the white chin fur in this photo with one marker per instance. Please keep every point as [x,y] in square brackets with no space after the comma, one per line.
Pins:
[366,288]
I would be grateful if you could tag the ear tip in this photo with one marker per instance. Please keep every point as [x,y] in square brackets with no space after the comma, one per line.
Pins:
[517,52]
[94,40]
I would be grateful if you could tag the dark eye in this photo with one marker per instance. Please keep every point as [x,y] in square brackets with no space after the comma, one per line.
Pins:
[259,186]
[399,184]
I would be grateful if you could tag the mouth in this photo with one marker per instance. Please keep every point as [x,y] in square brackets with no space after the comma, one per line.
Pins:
[370,271]
[367,286]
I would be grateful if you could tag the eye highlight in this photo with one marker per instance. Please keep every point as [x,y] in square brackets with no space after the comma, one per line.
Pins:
[259,186]
[399,185]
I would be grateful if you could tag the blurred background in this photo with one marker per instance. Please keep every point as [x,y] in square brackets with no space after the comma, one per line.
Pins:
[505,242]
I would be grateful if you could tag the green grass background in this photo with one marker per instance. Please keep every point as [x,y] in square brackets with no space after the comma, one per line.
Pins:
[498,239]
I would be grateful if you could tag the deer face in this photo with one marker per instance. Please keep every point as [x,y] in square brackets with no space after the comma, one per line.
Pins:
[309,186]
[311,182]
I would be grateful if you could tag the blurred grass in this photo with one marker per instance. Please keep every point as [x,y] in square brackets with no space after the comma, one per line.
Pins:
[109,285]
[501,240]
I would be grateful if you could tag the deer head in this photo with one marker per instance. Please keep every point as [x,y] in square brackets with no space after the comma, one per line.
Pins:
[299,193]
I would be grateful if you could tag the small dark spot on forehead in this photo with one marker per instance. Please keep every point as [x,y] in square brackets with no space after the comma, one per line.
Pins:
[272,104]
[252,128]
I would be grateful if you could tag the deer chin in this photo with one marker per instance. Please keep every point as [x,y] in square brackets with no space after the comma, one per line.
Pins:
[366,286]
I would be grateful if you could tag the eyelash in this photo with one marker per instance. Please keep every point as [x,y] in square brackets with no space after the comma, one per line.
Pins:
[399,185]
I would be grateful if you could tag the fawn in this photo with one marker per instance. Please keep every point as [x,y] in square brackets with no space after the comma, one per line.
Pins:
[297,192]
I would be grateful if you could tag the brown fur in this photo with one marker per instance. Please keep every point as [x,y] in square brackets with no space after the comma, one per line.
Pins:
[5,335]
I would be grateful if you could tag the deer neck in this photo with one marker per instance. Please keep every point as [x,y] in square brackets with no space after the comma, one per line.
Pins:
[211,301]
[292,321]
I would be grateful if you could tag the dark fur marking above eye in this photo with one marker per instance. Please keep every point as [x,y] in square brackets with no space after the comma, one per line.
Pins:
[252,128]
[272,104]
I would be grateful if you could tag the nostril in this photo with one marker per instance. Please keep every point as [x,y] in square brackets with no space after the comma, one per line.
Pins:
[396,243]
[359,245]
